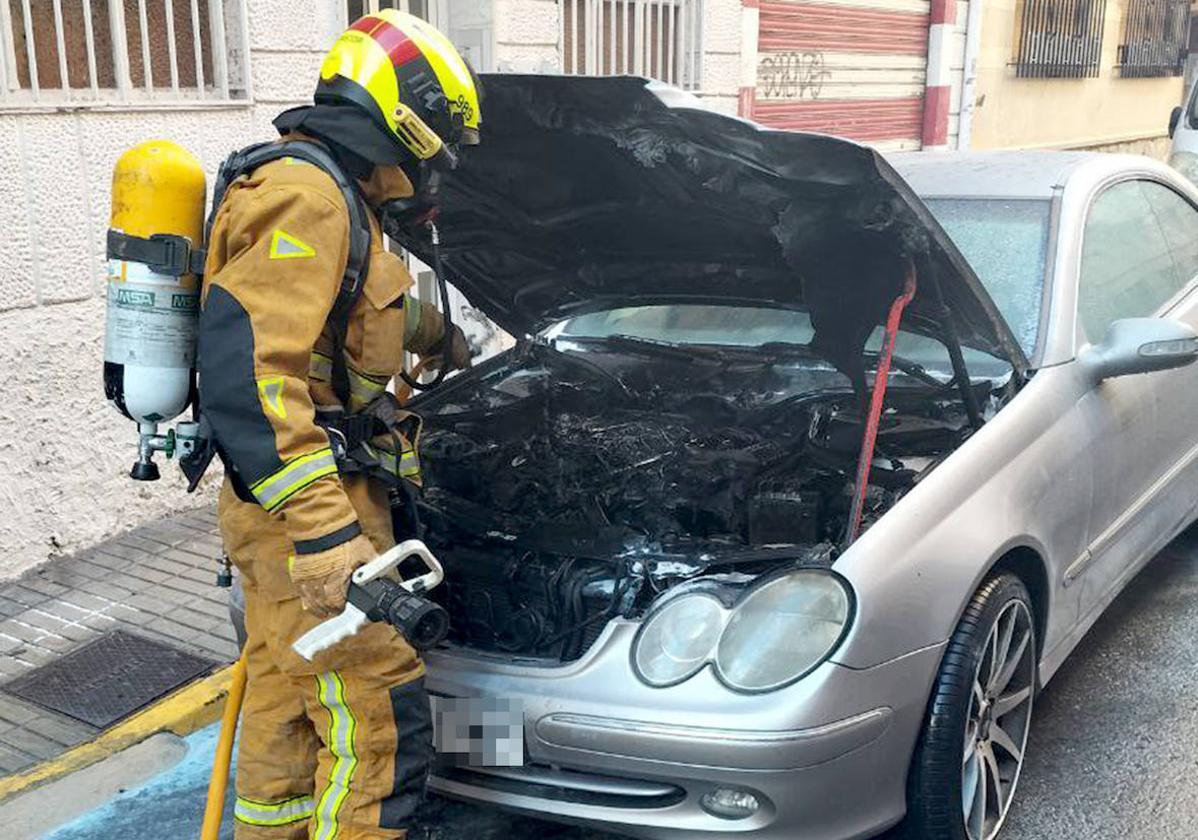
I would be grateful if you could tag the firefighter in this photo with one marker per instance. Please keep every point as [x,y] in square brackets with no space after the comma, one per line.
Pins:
[302,327]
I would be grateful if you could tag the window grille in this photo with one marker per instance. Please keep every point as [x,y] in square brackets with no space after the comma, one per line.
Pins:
[358,8]
[657,38]
[122,53]
[1154,38]
[1060,39]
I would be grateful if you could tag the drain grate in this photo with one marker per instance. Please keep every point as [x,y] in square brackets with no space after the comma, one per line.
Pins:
[108,679]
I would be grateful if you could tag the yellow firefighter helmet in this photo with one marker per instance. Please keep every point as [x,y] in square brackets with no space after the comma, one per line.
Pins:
[409,77]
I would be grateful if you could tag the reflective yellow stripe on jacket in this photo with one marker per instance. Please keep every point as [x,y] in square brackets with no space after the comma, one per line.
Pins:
[409,462]
[272,491]
[340,742]
[286,812]
[362,388]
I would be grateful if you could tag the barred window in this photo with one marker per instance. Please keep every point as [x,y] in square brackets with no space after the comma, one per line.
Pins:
[1154,38]
[357,8]
[79,53]
[1060,39]
[661,39]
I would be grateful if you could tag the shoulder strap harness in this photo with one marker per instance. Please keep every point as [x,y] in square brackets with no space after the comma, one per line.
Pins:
[175,255]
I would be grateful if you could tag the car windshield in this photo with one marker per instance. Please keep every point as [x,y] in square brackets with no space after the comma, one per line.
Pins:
[692,325]
[1006,243]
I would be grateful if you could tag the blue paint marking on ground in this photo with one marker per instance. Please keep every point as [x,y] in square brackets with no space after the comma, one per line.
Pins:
[169,805]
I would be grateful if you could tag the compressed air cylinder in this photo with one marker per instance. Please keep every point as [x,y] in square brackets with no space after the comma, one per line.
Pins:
[152,319]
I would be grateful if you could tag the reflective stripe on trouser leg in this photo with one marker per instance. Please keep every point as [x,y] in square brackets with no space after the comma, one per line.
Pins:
[279,749]
[273,813]
[340,742]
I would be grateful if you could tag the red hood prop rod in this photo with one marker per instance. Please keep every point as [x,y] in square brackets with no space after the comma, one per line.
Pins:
[876,403]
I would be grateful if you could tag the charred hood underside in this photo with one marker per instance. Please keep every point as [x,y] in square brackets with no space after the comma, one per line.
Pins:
[593,193]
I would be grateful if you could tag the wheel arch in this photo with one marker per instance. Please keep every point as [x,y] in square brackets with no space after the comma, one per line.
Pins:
[1029,566]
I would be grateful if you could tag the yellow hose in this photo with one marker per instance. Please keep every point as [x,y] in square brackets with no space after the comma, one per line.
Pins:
[214,810]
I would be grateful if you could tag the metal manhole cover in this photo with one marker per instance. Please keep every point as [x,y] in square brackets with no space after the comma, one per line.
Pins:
[108,679]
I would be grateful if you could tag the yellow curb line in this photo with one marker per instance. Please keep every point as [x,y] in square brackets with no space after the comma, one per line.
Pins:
[182,713]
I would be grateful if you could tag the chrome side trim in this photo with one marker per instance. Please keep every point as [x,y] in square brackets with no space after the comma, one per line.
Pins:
[1104,540]
[1076,568]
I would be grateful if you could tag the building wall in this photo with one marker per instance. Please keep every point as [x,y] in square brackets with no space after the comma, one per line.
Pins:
[64,450]
[955,61]
[1107,112]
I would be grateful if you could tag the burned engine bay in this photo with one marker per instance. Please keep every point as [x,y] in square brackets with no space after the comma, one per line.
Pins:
[563,487]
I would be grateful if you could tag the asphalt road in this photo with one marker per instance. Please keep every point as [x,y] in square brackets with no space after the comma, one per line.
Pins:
[1113,751]
[1114,745]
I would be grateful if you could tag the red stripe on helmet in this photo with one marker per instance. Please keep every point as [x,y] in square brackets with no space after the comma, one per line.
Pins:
[399,46]
[366,24]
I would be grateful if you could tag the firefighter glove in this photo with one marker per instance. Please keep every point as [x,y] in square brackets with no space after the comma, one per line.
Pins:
[323,578]
[457,349]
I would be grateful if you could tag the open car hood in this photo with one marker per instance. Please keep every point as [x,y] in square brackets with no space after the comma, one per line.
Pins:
[595,193]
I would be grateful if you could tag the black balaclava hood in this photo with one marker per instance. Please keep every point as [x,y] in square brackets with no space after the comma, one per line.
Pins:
[354,137]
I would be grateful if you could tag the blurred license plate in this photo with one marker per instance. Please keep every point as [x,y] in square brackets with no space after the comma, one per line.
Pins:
[478,731]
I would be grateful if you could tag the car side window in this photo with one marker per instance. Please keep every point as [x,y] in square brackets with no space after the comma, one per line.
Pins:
[1179,222]
[1128,266]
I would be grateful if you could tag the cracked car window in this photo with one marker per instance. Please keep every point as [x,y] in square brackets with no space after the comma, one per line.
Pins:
[1006,243]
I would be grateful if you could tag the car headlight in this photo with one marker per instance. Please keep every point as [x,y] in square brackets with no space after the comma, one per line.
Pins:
[678,640]
[777,633]
[782,630]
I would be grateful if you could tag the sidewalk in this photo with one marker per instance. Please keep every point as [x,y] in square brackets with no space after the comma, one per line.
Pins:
[157,581]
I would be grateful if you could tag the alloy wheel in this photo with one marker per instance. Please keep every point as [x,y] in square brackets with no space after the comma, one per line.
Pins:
[996,730]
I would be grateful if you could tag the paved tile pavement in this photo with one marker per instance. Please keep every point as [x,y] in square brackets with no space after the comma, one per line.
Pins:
[157,581]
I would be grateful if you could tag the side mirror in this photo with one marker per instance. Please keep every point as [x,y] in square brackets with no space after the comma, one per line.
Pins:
[1175,120]
[1141,345]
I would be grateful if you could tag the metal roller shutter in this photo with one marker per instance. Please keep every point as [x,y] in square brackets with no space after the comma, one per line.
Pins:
[855,68]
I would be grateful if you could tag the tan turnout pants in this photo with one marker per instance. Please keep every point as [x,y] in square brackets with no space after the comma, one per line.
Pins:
[335,748]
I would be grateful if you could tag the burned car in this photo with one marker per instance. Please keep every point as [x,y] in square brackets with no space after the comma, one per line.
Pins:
[782,507]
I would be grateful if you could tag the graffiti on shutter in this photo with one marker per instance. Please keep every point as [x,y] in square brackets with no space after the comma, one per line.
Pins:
[854,68]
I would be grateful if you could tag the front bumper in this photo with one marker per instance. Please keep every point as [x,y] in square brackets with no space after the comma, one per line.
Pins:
[826,758]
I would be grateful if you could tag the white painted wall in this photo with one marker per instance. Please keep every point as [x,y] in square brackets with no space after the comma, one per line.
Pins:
[957,71]
[64,451]
[526,35]
[722,45]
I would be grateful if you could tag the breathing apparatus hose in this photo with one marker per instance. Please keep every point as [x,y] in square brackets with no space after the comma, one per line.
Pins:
[446,333]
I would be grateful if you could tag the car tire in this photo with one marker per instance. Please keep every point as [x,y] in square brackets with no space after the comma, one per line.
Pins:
[978,719]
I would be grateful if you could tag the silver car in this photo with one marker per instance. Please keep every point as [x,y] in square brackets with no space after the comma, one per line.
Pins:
[734,560]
